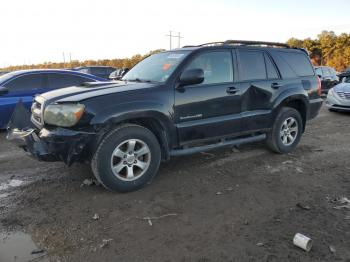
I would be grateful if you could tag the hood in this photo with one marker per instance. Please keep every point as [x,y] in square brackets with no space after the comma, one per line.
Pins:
[342,87]
[89,90]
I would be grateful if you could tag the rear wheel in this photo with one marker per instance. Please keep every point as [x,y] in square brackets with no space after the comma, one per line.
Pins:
[127,158]
[286,131]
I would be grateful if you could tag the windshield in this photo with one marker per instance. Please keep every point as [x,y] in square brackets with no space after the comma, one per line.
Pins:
[156,68]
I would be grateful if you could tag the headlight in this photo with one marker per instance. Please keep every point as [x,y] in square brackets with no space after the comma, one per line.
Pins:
[65,115]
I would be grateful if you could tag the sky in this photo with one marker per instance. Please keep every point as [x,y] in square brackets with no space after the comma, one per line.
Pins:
[36,31]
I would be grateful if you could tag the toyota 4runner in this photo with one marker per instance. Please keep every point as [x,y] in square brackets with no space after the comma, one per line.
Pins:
[174,103]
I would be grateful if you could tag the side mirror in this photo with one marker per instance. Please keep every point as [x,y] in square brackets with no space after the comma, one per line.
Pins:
[4,90]
[192,77]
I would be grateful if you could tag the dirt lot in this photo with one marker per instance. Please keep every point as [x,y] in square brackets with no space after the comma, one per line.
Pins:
[226,205]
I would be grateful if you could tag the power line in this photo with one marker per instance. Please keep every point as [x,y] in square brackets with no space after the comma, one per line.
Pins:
[171,36]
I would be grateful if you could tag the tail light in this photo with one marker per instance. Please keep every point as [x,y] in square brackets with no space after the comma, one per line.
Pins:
[319,90]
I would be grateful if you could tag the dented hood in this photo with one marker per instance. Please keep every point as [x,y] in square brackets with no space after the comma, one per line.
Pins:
[90,90]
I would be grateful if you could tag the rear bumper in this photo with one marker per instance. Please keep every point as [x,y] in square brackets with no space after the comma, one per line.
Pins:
[314,108]
[52,145]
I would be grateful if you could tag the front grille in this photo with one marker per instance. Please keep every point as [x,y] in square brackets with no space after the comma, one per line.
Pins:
[37,111]
[344,95]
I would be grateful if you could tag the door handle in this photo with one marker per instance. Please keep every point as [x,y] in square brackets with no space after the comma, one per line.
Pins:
[275,85]
[231,90]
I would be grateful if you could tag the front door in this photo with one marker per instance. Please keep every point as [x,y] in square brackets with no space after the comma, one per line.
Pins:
[210,109]
[23,87]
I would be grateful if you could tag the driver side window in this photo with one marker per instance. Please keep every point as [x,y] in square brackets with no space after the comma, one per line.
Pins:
[217,67]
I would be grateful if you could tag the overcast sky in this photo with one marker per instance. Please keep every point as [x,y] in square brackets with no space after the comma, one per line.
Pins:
[34,31]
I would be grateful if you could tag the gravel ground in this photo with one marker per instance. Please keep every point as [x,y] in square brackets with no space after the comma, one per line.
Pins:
[243,204]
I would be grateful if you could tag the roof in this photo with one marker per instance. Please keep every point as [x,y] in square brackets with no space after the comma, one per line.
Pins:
[28,71]
[81,67]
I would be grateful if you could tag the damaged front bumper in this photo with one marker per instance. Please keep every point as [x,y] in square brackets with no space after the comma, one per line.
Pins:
[52,145]
[57,144]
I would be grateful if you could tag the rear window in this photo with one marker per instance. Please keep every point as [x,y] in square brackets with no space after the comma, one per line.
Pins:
[298,62]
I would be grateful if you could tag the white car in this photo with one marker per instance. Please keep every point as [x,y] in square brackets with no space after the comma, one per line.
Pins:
[338,98]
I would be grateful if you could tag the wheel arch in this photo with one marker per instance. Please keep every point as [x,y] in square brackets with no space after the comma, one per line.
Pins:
[298,102]
[156,122]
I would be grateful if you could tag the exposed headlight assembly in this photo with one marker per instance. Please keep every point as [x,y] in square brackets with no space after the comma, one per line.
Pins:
[64,115]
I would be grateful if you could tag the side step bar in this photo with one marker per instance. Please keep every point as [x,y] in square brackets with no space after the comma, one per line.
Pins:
[233,142]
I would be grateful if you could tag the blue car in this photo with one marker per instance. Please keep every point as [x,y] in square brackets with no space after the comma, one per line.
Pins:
[27,83]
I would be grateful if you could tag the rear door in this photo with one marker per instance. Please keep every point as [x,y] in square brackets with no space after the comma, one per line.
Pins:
[24,87]
[210,109]
[259,82]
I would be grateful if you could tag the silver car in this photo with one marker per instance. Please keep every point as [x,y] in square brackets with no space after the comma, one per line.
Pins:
[338,98]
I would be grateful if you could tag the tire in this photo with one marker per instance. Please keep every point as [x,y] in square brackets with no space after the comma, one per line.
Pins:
[275,141]
[116,159]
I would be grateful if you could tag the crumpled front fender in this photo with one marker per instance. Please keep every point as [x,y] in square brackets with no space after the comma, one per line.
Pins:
[56,144]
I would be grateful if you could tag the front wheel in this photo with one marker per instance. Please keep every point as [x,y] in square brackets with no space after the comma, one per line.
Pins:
[286,131]
[127,158]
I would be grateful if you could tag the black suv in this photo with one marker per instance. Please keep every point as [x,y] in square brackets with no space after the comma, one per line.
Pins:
[328,77]
[176,103]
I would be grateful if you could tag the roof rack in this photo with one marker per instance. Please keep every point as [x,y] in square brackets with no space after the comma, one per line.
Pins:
[243,42]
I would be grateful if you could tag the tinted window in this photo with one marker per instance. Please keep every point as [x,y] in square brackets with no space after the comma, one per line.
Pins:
[252,65]
[98,70]
[271,70]
[26,82]
[298,62]
[217,67]
[64,80]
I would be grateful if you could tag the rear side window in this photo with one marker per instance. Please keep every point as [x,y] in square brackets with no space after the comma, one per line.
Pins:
[64,80]
[217,66]
[252,65]
[26,82]
[270,68]
[298,62]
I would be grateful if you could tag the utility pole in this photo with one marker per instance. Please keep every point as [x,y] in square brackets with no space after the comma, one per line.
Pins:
[170,39]
[178,36]
[179,39]
[64,60]
[70,57]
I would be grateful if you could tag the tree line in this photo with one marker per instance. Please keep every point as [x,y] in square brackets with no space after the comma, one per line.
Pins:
[327,49]
[117,63]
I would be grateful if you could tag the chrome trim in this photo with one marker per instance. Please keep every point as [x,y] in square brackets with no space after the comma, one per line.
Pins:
[38,111]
